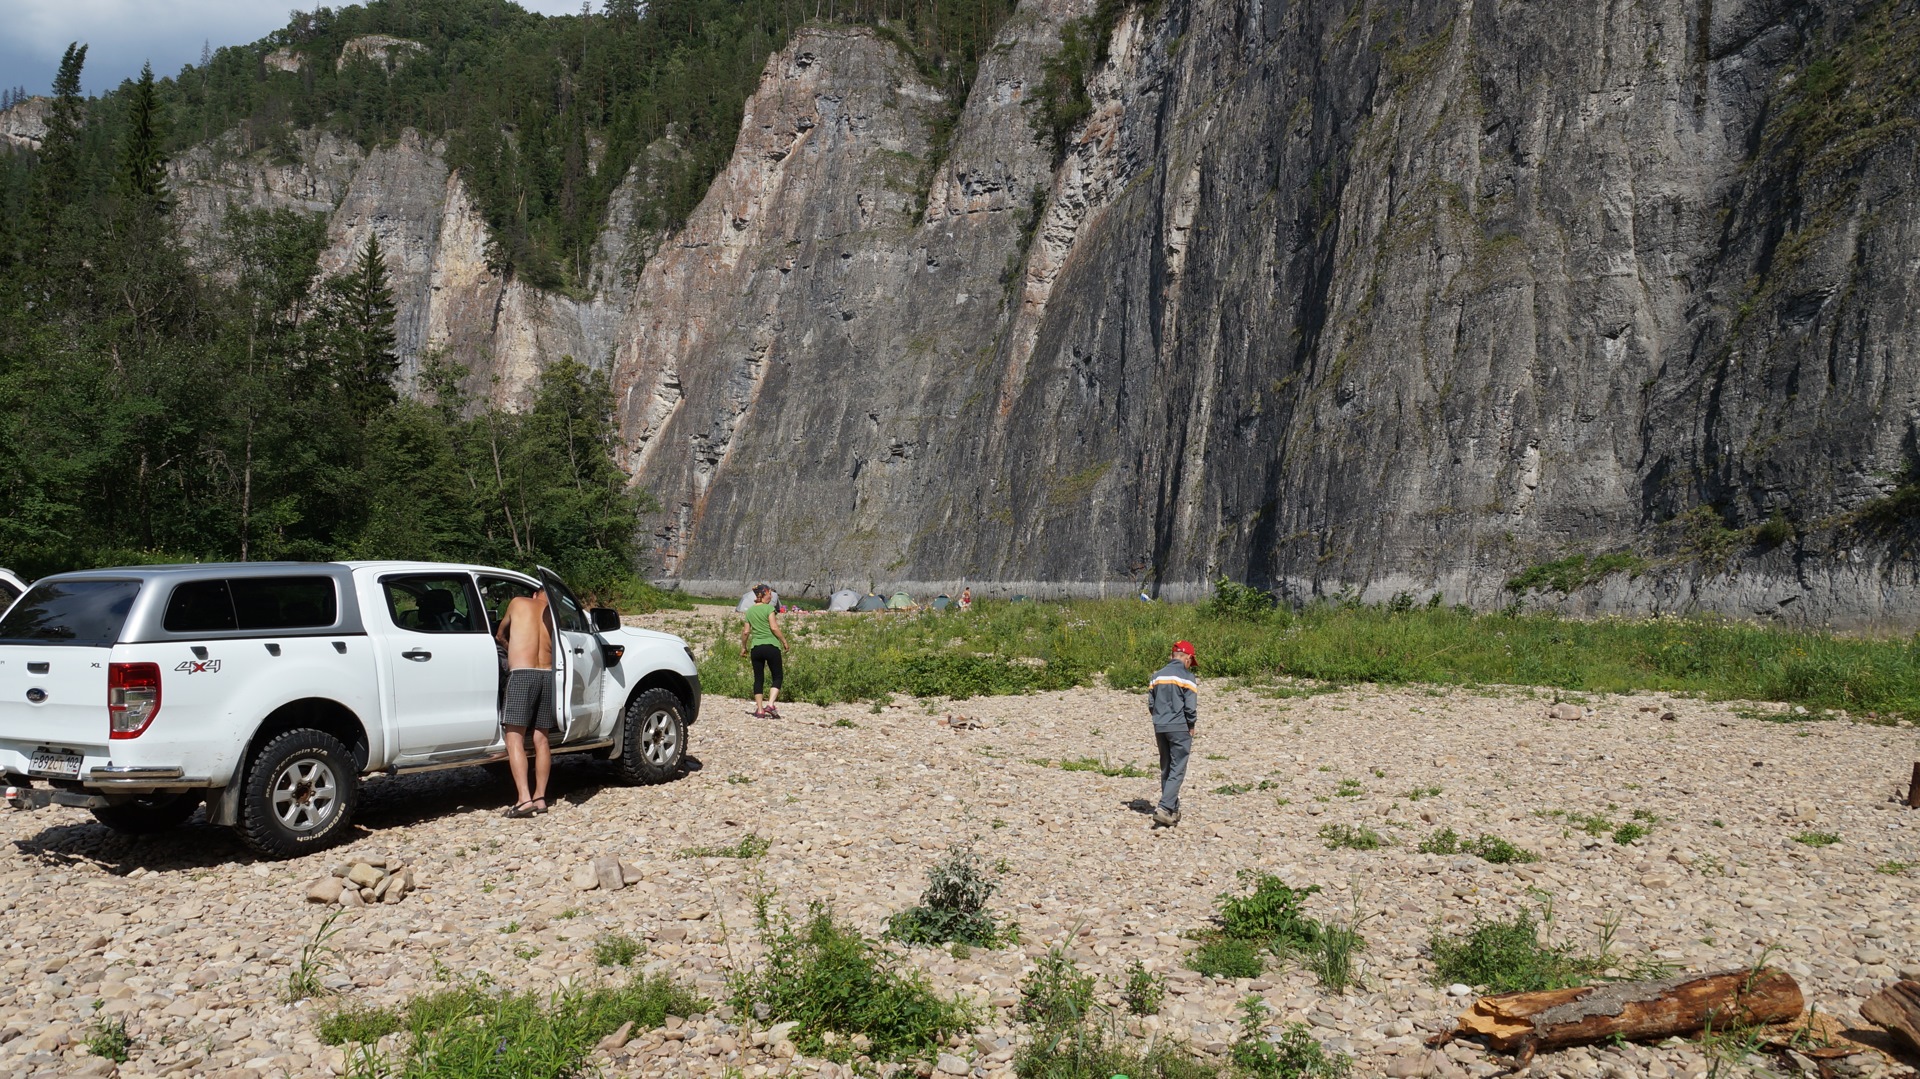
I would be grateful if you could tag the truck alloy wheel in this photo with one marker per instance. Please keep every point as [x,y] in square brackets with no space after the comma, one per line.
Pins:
[654,737]
[300,795]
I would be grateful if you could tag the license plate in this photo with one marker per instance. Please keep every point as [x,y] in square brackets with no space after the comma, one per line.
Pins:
[58,765]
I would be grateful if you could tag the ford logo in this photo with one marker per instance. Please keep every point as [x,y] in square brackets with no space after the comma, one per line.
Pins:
[37,695]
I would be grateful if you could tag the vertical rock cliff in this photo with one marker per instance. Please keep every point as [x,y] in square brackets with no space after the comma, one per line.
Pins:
[1362,296]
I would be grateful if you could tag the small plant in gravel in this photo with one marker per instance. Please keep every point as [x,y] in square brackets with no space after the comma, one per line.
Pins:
[1227,957]
[1351,837]
[1129,770]
[1271,911]
[1509,956]
[307,978]
[468,1031]
[1817,839]
[953,908]
[832,981]
[751,846]
[1489,847]
[1892,869]
[1418,793]
[1144,991]
[1348,788]
[1056,996]
[109,1038]
[359,1025]
[1243,788]
[1293,1055]
[616,950]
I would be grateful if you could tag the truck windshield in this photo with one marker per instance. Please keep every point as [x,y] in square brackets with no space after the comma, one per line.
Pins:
[70,612]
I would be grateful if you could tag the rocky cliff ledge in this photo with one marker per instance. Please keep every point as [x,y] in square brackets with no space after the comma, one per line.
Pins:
[1344,297]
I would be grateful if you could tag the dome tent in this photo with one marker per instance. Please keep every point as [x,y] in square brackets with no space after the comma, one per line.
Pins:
[900,602]
[942,601]
[871,602]
[844,600]
[746,600]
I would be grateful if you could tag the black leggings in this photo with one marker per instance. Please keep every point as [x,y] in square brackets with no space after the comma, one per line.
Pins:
[764,656]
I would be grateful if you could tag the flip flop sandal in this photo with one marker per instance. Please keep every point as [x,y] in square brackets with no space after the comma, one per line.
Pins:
[521,811]
[543,808]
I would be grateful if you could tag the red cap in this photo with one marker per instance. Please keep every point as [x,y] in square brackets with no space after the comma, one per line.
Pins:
[1183,646]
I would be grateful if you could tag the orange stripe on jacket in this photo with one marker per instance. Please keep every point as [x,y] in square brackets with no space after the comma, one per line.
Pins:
[1181,682]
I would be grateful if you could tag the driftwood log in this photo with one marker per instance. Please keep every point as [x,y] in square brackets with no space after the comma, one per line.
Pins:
[1896,1009]
[1526,1023]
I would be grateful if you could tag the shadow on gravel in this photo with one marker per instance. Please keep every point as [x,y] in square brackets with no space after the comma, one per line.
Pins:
[1139,805]
[387,805]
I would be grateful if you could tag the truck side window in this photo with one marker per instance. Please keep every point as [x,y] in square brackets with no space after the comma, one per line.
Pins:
[271,603]
[199,607]
[437,603]
[497,592]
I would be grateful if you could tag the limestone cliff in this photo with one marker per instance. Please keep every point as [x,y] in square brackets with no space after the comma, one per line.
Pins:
[1374,296]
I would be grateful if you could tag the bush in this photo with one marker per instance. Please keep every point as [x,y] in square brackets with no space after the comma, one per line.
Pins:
[1227,957]
[1056,996]
[1232,599]
[616,950]
[1143,991]
[1270,913]
[953,908]
[829,979]
[1350,837]
[1490,847]
[1294,1055]
[1508,956]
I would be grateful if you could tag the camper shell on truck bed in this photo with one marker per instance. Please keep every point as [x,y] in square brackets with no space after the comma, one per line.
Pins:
[268,690]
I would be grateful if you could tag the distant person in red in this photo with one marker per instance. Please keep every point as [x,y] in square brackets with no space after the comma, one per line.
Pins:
[966,599]
[1173,700]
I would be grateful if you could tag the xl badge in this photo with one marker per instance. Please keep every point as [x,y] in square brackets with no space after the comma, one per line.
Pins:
[195,666]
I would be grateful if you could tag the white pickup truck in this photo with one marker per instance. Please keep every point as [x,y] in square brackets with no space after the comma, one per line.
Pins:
[268,690]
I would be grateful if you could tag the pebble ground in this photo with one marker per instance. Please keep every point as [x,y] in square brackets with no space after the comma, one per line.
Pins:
[189,940]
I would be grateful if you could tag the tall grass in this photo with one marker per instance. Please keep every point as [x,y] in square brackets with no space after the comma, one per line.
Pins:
[1005,648]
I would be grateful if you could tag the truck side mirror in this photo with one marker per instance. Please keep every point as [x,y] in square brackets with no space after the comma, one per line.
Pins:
[605,619]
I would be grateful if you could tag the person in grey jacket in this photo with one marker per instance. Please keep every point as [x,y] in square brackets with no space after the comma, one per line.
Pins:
[1173,700]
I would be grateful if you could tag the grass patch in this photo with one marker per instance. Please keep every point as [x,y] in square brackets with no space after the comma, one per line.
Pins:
[1817,839]
[953,909]
[1351,837]
[1292,1055]
[1128,770]
[1245,788]
[1009,648]
[315,960]
[616,950]
[1418,793]
[830,980]
[468,1030]
[1228,957]
[1489,847]
[751,846]
[1510,955]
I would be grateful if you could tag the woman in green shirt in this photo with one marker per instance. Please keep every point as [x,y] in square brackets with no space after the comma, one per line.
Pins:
[761,638]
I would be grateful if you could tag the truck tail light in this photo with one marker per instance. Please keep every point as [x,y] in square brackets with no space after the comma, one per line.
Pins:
[133,698]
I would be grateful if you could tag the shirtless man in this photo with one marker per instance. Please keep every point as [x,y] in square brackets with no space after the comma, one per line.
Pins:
[523,629]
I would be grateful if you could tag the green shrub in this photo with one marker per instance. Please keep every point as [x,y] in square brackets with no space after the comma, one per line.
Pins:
[1817,839]
[1232,599]
[1091,1051]
[616,950]
[1489,847]
[1294,1055]
[108,1038]
[829,979]
[359,1024]
[1056,996]
[1143,991]
[1271,912]
[1351,837]
[1227,957]
[953,908]
[1508,956]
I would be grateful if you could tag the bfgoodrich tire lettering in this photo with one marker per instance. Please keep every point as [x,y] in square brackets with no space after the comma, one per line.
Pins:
[653,737]
[301,791]
[149,813]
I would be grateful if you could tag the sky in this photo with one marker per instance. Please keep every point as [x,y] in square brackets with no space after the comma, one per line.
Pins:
[123,34]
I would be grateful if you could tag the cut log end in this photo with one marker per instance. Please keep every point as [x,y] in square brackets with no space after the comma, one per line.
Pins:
[1896,1009]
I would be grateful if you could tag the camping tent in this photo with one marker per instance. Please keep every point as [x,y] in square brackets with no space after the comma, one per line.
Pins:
[844,600]
[900,602]
[941,602]
[1021,598]
[871,602]
[746,600]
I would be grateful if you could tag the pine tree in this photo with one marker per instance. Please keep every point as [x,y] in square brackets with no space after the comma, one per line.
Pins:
[143,165]
[365,358]
[60,146]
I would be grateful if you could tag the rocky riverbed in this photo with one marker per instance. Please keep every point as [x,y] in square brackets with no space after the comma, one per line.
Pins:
[190,941]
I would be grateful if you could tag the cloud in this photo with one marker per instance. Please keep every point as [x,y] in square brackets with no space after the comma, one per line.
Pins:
[123,34]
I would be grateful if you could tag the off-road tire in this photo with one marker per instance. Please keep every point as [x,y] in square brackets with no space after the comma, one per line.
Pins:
[300,794]
[149,813]
[653,737]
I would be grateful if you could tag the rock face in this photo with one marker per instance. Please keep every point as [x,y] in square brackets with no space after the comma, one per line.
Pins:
[1328,297]
[24,124]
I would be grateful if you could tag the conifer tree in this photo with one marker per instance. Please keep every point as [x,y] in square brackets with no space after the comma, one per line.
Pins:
[60,146]
[365,358]
[143,165]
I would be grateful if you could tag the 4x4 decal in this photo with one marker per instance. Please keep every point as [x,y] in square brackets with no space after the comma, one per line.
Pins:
[195,666]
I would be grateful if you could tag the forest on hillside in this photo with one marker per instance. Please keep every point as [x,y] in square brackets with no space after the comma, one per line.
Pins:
[149,413]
